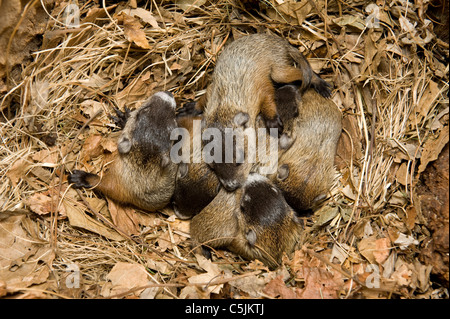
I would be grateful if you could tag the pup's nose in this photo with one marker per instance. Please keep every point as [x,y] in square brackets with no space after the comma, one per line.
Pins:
[230,186]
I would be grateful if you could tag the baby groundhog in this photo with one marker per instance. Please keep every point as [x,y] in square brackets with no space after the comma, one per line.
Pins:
[306,165]
[196,185]
[254,222]
[243,86]
[142,173]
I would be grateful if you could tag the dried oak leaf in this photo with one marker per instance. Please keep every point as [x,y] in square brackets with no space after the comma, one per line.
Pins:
[124,277]
[277,288]
[382,249]
[212,273]
[432,148]
[133,31]
[143,14]
[18,170]
[92,147]
[319,283]
[125,218]
[43,204]
[24,260]
[78,218]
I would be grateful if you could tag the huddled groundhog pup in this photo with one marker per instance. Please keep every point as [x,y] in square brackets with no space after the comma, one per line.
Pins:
[142,173]
[254,222]
[243,86]
[306,165]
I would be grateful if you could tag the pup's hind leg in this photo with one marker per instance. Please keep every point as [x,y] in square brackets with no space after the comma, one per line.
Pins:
[286,74]
[109,185]
[268,107]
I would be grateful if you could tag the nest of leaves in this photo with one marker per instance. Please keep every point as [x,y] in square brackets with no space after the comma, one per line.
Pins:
[389,72]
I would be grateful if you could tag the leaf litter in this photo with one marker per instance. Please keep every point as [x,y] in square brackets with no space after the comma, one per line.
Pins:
[380,234]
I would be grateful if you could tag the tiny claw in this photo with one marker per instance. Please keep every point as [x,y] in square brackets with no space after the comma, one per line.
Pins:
[189,108]
[121,118]
[275,123]
[78,179]
[321,86]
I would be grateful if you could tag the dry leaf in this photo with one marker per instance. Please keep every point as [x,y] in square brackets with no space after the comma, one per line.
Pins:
[398,198]
[410,217]
[212,273]
[428,98]
[388,265]
[42,204]
[91,107]
[402,274]
[366,246]
[133,31]
[109,144]
[124,277]
[277,288]
[125,218]
[18,170]
[423,275]
[47,157]
[348,192]
[24,260]
[78,218]
[164,241]
[350,21]
[339,253]
[252,285]
[186,5]
[402,175]
[319,283]
[292,11]
[92,147]
[382,250]
[432,148]
[143,14]
[363,229]
[325,215]
[403,241]
[349,145]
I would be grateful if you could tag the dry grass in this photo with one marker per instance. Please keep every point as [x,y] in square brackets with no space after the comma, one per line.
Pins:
[97,66]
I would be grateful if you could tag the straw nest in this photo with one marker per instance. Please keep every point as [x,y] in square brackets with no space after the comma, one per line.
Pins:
[390,80]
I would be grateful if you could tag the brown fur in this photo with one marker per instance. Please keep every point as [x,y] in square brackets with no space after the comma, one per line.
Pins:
[306,169]
[142,173]
[196,185]
[254,222]
[243,85]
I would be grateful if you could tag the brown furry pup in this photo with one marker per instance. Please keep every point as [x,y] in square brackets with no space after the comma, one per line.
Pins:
[142,173]
[196,185]
[307,149]
[254,222]
[243,86]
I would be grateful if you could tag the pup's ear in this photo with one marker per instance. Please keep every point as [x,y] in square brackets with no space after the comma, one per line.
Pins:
[124,145]
[286,141]
[183,169]
[241,119]
[251,237]
[165,160]
[283,172]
